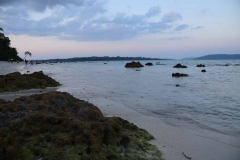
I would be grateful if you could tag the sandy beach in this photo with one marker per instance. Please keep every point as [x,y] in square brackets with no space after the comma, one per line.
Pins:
[175,143]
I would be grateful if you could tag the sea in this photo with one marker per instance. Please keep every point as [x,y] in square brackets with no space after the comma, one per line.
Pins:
[204,100]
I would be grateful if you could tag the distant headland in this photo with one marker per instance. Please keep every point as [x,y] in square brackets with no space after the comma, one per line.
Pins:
[96,58]
[219,57]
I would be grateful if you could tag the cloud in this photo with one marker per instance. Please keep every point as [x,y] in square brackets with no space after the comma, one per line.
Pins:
[170,17]
[204,10]
[181,27]
[198,27]
[85,21]
[153,11]
[41,5]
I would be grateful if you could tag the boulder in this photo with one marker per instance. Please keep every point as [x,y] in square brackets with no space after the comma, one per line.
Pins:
[203,70]
[133,65]
[179,66]
[179,75]
[148,64]
[200,65]
[177,85]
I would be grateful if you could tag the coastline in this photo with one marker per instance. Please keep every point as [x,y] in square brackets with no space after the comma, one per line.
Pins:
[172,141]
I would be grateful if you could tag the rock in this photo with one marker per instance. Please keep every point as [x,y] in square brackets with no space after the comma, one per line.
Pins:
[177,85]
[179,75]
[15,81]
[203,70]
[226,65]
[200,65]
[148,64]
[179,66]
[133,65]
[56,125]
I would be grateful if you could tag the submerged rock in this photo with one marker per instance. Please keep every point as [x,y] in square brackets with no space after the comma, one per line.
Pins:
[17,81]
[179,75]
[133,65]
[179,66]
[148,64]
[56,125]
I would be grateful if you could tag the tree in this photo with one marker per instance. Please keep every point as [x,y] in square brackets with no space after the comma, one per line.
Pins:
[27,53]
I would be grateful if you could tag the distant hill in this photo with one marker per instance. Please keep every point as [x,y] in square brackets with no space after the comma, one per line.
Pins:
[105,58]
[219,57]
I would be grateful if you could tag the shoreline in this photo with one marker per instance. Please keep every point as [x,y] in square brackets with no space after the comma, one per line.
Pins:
[171,141]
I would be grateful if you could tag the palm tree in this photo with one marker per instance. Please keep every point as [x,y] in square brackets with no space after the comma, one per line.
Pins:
[27,53]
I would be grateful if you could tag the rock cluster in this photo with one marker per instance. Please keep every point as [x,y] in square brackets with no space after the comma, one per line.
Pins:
[204,70]
[16,81]
[133,65]
[179,66]
[179,75]
[56,125]
[200,65]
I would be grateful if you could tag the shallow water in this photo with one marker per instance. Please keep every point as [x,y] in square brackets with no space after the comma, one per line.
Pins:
[208,100]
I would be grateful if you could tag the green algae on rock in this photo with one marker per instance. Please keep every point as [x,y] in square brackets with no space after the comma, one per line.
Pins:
[55,125]
[16,81]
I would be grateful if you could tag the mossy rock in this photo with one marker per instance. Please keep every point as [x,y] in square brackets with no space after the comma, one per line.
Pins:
[56,125]
[15,81]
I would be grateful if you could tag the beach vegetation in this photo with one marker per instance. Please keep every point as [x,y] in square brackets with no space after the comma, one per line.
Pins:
[27,53]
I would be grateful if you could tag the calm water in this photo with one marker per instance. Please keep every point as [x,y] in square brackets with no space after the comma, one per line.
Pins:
[208,100]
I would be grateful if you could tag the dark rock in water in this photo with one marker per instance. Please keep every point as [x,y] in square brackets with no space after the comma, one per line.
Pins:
[15,81]
[133,65]
[200,65]
[179,66]
[237,65]
[226,65]
[179,75]
[56,125]
[148,64]
[177,85]
[203,70]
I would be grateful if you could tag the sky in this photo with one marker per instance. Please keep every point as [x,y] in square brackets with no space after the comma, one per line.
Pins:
[144,28]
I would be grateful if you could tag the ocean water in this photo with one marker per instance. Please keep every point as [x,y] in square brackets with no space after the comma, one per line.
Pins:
[209,100]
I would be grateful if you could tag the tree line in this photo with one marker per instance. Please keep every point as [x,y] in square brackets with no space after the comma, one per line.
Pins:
[6,51]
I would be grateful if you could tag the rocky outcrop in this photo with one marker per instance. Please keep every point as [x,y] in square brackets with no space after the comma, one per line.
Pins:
[56,125]
[179,75]
[133,65]
[148,64]
[204,70]
[179,66]
[17,81]
[200,65]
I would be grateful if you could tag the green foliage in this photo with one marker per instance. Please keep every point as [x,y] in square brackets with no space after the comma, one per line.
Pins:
[6,51]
